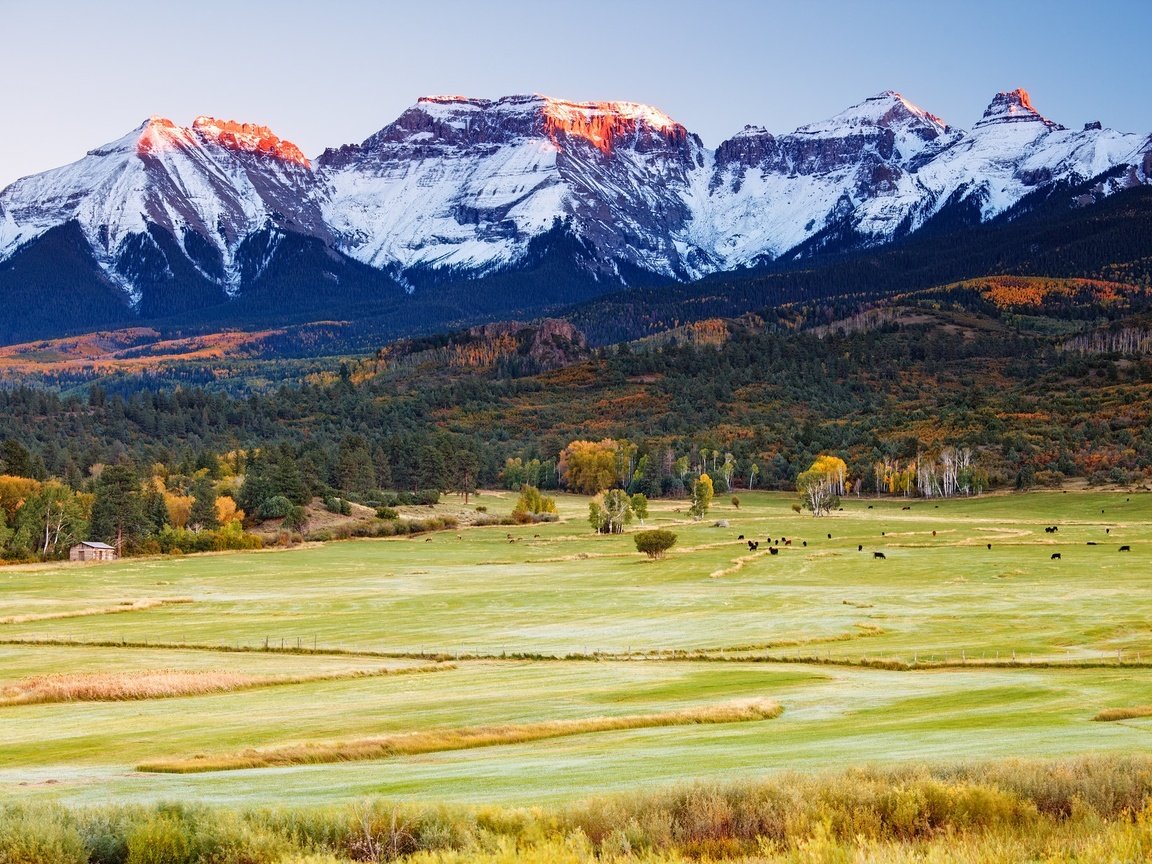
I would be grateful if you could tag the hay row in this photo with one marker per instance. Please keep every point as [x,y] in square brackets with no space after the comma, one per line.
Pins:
[462,738]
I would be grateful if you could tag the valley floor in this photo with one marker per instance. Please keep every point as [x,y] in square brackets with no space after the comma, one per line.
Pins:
[506,649]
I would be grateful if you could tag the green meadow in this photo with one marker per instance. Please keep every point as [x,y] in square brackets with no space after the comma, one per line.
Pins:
[945,651]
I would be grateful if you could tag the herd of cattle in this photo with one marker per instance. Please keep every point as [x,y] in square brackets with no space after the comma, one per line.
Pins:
[774,548]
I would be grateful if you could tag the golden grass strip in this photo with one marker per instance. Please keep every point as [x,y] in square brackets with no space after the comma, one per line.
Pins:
[462,738]
[1109,715]
[164,684]
[126,606]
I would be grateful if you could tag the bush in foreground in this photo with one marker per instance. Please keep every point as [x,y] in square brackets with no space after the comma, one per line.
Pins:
[655,543]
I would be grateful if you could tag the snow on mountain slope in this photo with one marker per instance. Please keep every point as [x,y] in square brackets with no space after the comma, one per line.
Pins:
[766,194]
[211,185]
[466,183]
[1013,150]
[464,186]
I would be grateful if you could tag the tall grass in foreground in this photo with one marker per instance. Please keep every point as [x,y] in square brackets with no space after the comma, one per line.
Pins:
[1085,810]
[462,738]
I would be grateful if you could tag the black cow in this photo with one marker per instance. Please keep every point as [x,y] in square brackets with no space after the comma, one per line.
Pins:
[859,548]
[989,545]
[829,536]
[1125,548]
[880,555]
[774,551]
[805,542]
[752,544]
[741,537]
[1055,556]
[1091,542]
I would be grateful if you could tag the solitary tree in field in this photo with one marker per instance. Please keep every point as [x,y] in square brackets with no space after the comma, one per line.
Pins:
[639,503]
[702,493]
[821,486]
[655,543]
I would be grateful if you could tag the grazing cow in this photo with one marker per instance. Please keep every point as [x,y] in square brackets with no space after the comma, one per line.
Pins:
[880,555]
[427,539]
[829,536]
[1055,556]
[752,544]
[933,533]
[741,537]
[989,545]
[1107,530]
[536,536]
[1091,542]
[859,548]
[787,542]
[805,542]
[869,506]
[882,533]
[774,551]
[905,508]
[1125,548]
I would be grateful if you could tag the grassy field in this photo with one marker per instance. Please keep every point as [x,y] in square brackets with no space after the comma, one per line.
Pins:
[944,651]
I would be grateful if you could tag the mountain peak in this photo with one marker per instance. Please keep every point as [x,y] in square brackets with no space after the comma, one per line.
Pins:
[602,123]
[887,109]
[158,134]
[1013,106]
[248,138]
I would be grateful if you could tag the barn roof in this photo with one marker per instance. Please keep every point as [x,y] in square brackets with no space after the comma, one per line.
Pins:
[95,545]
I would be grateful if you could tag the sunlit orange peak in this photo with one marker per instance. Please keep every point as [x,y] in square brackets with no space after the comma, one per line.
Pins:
[1025,99]
[158,134]
[601,123]
[249,137]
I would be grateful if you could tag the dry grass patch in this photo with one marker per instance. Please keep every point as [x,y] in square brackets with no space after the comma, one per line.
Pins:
[463,738]
[1109,715]
[124,606]
[162,684]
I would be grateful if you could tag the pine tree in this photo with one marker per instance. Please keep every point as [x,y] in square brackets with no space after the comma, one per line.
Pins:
[203,516]
[118,511]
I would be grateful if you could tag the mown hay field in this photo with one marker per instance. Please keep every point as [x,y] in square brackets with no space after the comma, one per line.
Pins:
[944,651]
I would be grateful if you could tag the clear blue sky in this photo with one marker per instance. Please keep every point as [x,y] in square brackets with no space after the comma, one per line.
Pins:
[329,72]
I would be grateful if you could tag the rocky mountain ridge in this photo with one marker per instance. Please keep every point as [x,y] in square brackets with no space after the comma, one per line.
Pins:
[185,218]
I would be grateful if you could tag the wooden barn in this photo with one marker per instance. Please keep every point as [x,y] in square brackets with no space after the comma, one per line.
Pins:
[92,551]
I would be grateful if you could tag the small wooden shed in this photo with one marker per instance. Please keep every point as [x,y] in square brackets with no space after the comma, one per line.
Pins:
[92,551]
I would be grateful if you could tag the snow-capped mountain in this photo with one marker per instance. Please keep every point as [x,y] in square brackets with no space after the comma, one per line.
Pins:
[185,218]
[464,184]
[209,188]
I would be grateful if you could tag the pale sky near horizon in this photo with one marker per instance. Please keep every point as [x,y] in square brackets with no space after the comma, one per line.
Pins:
[321,74]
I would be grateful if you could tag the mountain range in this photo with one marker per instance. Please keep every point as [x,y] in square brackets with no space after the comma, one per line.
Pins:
[472,208]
